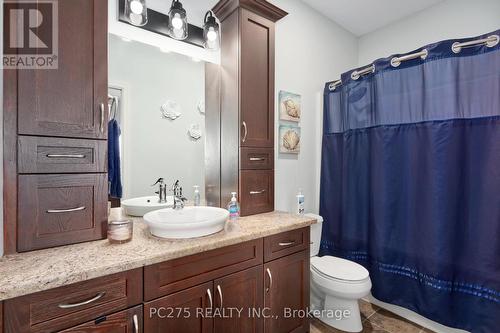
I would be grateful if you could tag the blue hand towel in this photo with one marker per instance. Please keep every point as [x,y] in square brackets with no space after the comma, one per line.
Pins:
[114,174]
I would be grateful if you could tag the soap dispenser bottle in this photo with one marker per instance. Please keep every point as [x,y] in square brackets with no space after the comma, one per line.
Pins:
[233,207]
[300,202]
[196,196]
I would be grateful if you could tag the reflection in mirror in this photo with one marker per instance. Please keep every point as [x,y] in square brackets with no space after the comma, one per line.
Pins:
[157,124]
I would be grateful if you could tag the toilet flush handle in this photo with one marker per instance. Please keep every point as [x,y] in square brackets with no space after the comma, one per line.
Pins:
[268,271]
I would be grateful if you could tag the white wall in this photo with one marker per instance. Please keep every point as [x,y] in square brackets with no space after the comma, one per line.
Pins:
[447,20]
[156,147]
[310,50]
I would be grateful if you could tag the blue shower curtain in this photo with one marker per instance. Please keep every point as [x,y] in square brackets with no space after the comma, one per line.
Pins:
[410,182]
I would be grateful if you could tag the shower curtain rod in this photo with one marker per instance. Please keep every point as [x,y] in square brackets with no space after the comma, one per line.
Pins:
[456,47]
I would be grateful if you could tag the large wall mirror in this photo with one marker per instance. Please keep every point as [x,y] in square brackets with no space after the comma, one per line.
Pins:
[157,118]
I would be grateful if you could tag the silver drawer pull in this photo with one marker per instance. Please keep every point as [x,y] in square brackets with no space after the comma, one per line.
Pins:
[257,159]
[101,108]
[286,243]
[66,156]
[219,290]
[209,293]
[75,305]
[57,211]
[257,192]
[268,271]
[135,320]
[246,132]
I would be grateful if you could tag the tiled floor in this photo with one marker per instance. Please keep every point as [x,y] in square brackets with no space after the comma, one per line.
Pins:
[375,320]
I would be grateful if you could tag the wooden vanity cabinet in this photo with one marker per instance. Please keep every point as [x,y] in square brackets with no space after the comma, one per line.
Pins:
[70,101]
[233,289]
[245,114]
[242,291]
[55,122]
[177,312]
[60,308]
[61,209]
[257,80]
[287,287]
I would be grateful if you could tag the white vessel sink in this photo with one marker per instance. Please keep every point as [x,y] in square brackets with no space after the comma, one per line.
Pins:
[189,222]
[142,205]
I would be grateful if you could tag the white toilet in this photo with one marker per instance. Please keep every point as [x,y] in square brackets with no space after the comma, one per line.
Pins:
[336,286]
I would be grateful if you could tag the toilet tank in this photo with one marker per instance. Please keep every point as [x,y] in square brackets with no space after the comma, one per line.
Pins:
[315,233]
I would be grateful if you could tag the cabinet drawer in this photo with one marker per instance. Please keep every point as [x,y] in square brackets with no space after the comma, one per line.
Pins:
[59,155]
[174,275]
[257,158]
[256,191]
[61,209]
[67,306]
[128,321]
[280,245]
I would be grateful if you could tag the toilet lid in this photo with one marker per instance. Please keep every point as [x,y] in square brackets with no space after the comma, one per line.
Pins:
[339,268]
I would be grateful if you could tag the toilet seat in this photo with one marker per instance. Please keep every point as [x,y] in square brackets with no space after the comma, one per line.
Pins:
[333,268]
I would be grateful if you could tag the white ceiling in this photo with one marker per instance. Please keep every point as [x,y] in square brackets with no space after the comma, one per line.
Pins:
[364,16]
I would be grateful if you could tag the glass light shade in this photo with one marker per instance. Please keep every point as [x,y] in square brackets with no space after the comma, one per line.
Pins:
[211,32]
[136,12]
[177,21]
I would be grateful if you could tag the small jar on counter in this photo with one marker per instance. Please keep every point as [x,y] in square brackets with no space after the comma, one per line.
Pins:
[120,231]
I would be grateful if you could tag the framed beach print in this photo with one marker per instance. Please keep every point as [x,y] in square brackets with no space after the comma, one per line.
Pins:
[289,139]
[289,105]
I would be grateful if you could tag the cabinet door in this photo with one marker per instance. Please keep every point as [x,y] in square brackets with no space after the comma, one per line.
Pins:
[257,81]
[128,321]
[238,296]
[70,101]
[287,289]
[61,209]
[181,312]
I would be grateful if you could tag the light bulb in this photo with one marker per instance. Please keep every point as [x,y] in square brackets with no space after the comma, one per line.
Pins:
[136,7]
[211,34]
[177,22]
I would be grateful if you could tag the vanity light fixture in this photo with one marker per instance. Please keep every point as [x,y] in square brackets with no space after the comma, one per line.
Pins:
[177,21]
[136,12]
[211,32]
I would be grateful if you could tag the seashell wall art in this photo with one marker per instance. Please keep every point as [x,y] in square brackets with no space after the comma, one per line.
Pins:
[290,106]
[170,110]
[194,131]
[289,139]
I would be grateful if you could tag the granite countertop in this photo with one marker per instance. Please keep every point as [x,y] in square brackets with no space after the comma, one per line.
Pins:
[26,273]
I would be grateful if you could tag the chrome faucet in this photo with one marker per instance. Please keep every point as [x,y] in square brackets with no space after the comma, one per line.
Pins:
[162,190]
[178,198]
